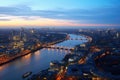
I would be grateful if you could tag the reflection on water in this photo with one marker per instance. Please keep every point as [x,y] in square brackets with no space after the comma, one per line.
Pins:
[1,68]
[26,57]
[35,61]
[37,55]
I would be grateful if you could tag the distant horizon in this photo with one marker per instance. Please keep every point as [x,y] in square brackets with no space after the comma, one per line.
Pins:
[60,27]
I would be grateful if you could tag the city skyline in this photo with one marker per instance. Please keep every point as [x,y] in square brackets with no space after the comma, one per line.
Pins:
[59,13]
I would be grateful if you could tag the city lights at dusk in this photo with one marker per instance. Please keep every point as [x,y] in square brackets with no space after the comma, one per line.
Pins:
[59,39]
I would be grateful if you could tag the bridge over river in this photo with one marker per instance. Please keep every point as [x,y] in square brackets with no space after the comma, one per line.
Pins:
[59,47]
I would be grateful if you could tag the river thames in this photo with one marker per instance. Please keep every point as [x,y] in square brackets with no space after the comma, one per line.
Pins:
[37,61]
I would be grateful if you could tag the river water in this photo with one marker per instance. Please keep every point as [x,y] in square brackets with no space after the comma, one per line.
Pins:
[37,61]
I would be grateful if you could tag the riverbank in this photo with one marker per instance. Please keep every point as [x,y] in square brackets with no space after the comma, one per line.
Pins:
[6,59]
[56,67]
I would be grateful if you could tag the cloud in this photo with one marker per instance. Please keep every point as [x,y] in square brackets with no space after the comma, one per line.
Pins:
[108,15]
[4,19]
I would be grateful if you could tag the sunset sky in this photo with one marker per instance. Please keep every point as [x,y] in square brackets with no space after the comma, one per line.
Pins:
[17,13]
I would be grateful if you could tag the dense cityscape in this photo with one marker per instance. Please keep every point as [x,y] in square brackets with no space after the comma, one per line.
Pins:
[17,43]
[60,40]
[96,59]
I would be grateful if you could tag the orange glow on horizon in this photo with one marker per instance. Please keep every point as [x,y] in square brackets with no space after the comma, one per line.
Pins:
[45,22]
